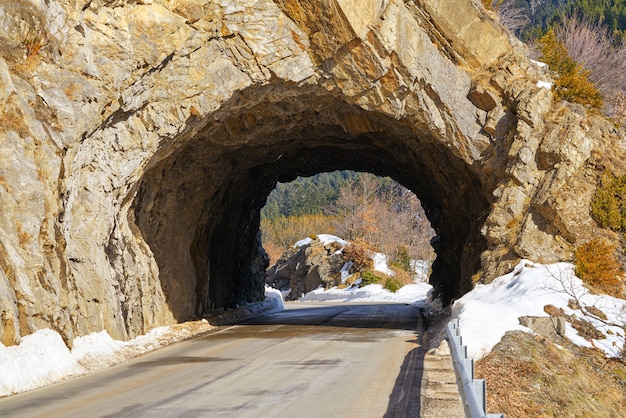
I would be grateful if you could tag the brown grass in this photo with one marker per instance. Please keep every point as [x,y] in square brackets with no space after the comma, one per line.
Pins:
[402,276]
[273,251]
[528,376]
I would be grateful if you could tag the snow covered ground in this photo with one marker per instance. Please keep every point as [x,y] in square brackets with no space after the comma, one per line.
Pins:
[412,293]
[43,358]
[488,311]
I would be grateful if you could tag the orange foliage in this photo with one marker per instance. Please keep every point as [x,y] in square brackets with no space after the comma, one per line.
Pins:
[598,266]
[358,252]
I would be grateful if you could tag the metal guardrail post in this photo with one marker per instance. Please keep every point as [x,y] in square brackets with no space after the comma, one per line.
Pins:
[473,391]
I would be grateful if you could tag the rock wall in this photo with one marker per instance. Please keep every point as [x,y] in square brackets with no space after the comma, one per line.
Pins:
[139,140]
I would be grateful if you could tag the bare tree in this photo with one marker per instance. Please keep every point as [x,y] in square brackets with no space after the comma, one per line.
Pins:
[534,4]
[511,16]
[591,45]
[388,219]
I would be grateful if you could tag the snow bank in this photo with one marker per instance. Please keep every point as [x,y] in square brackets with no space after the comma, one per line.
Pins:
[324,238]
[40,359]
[412,293]
[544,85]
[489,311]
[274,300]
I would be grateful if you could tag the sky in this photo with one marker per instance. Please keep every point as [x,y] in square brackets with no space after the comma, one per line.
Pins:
[485,314]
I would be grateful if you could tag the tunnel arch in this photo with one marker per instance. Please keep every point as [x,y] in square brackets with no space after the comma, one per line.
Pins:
[198,204]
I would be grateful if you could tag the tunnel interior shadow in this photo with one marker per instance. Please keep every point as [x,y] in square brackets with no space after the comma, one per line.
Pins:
[360,316]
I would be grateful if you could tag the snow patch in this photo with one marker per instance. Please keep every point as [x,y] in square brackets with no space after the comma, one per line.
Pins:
[380,264]
[41,358]
[324,238]
[489,311]
[544,85]
[274,297]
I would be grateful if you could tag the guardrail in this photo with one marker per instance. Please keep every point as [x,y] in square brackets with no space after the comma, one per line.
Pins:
[473,391]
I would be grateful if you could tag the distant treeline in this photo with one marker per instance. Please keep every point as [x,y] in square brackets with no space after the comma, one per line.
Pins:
[539,15]
[315,195]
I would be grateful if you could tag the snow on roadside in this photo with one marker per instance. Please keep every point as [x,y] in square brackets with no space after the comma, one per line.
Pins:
[413,293]
[489,311]
[40,359]
[43,358]
[274,300]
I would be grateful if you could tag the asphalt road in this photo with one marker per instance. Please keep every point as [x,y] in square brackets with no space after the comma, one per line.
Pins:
[312,360]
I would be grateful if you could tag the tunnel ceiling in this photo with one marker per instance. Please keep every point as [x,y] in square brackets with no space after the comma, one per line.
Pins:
[141,143]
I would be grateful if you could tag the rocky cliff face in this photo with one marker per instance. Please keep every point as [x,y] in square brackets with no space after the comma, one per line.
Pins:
[139,140]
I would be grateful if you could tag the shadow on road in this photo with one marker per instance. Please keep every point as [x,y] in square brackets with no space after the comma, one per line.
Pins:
[405,397]
[391,316]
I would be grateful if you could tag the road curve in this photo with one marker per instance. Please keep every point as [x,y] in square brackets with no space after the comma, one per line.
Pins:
[312,360]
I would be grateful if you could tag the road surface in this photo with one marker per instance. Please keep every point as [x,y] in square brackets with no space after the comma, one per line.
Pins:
[312,360]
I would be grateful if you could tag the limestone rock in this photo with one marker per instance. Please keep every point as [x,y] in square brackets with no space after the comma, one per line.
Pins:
[544,326]
[306,268]
[139,140]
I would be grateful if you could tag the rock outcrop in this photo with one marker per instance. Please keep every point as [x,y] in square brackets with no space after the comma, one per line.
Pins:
[139,140]
[306,267]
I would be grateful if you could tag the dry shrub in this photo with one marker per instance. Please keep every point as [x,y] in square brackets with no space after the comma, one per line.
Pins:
[597,312]
[358,252]
[586,329]
[597,265]
[532,377]
[595,48]
[273,251]
[510,15]
[400,278]
[26,31]
[401,275]
[285,231]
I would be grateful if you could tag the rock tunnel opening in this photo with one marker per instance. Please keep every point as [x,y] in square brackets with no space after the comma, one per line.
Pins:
[354,206]
[198,205]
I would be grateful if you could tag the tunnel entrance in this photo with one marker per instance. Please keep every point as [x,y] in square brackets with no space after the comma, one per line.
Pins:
[198,205]
[376,211]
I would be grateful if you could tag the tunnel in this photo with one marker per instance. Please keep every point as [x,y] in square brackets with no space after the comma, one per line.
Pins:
[198,204]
